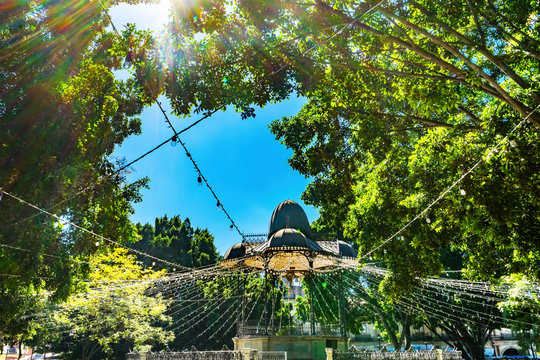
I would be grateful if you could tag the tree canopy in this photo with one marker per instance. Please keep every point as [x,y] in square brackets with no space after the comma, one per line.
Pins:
[62,112]
[403,97]
[176,241]
[115,311]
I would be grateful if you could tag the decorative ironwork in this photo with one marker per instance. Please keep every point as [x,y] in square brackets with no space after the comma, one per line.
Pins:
[256,238]
[262,237]
[224,354]
[253,329]
[271,355]
[193,354]
[355,354]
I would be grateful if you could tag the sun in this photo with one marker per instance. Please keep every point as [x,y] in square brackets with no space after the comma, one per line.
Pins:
[151,16]
[159,13]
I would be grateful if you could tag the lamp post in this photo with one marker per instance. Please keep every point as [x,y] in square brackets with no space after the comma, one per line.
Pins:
[379,338]
[425,343]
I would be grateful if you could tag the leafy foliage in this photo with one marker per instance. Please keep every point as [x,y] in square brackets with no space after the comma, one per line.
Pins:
[62,112]
[113,308]
[176,241]
[403,98]
[523,305]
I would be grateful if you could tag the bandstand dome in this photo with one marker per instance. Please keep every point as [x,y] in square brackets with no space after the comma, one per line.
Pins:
[346,250]
[235,252]
[290,246]
[289,215]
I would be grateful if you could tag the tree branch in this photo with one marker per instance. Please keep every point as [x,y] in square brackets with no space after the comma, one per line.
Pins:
[477,22]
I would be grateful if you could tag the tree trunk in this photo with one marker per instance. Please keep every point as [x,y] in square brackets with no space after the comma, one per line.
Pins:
[406,334]
[20,348]
[389,329]
[475,350]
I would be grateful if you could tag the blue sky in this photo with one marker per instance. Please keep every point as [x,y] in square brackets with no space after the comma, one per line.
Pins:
[241,159]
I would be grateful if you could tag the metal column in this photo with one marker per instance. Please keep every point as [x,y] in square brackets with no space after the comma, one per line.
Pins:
[311,293]
[342,314]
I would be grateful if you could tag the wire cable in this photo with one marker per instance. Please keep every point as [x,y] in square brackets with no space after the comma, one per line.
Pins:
[448,189]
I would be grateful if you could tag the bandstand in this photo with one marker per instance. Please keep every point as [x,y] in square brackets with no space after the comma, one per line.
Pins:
[289,254]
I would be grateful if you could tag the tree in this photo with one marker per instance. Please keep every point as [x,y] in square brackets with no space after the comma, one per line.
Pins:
[62,112]
[523,306]
[462,314]
[375,145]
[176,241]
[403,98]
[113,308]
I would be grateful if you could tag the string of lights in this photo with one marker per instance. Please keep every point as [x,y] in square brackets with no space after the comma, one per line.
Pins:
[533,288]
[263,313]
[74,323]
[45,254]
[163,285]
[467,287]
[259,293]
[106,176]
[465,310]
[439,313]
[225,322]
[452,308]
[193,287]
[100,237]
[275,288]
[201,298]
[233,323]
[195,315]
[201,178]
[326,302]
[175,138]
[204,315]
[449,188]
[407,306]
[318,304]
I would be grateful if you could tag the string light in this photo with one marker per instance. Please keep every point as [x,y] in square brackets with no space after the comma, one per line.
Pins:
[273,73]
[455,183]
[100,237]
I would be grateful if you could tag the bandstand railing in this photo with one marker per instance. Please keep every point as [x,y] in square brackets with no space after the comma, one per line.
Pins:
[354,354]
[224,354]
[253,329]
[193,354]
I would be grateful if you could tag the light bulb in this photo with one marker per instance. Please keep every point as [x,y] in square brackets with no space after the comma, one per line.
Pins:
[462,192]
[97,243]
[218,205]
[428,220]
[174,140]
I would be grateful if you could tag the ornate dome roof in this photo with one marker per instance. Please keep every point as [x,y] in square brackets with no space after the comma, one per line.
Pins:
[285,238]
[289,215]
[236,251]
[346,250]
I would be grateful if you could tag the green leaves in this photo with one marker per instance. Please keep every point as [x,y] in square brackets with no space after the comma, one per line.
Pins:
[176,241]
[114,307]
